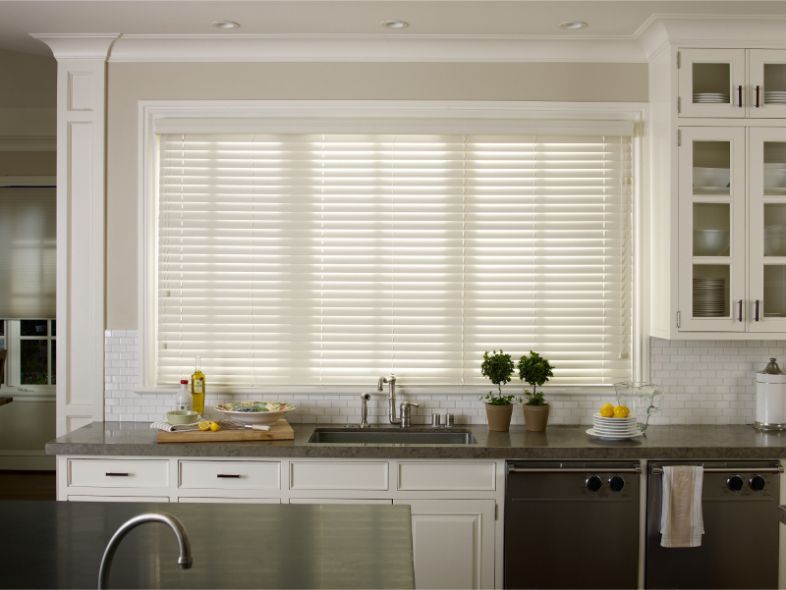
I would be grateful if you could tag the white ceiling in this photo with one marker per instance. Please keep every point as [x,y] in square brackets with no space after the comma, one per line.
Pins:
[511,18]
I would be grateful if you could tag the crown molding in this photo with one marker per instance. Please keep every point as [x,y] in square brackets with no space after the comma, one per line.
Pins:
[364,48]
[749,32]
[78,46]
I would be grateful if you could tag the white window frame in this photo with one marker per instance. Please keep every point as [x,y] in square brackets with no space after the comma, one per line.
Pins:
[228,116]
[13,362]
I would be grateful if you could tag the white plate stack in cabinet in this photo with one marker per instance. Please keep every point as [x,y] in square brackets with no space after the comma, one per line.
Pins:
[717,210]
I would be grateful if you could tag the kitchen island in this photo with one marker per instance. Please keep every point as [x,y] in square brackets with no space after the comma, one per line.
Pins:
[60,544]
[558,442]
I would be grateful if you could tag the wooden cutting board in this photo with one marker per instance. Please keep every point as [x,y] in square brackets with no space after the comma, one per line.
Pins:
[281,430]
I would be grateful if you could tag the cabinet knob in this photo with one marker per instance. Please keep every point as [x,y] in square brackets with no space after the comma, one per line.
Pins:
[593,483]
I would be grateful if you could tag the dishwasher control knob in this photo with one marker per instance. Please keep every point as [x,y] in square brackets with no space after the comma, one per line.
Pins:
[593,483]
[734,483]
[616,483]
[756,483]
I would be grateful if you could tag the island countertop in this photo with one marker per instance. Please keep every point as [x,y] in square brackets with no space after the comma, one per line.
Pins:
[558,442]
[60,544]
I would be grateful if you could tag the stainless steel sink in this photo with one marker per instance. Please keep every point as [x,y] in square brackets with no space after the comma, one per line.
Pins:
[394,436]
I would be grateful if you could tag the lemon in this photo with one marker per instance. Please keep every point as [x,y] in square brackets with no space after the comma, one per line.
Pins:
[204,425]
[607,410]
[215,426]
[621,411]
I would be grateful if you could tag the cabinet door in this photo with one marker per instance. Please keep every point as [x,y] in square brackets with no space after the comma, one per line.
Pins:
[767,198]
[712,260]
[453,542]
[767,74]
[711,83]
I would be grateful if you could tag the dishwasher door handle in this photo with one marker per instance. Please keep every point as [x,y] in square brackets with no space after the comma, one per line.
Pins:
[658,470]
[573,470]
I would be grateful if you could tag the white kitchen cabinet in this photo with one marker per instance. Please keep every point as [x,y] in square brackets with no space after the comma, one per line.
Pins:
[767,199]
[732,230]
[453,542]
[715,266]
[731,83]
[711,83]
[767,78]
[712,219]
[226,500]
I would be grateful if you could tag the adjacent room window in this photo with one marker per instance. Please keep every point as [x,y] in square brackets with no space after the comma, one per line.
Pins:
[32,349]
[330,259]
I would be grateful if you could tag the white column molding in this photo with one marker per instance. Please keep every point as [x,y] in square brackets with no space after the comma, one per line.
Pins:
[81,123]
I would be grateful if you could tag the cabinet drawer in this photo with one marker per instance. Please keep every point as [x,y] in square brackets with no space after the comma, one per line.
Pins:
[230,475]
[359,501]
[338,475]
[118,473]
[446,476]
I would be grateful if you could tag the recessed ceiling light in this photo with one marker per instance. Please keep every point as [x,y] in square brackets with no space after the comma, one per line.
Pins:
[573,25]
[395,24]
[226,24]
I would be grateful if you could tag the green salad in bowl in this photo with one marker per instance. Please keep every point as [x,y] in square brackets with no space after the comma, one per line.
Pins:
[254,412]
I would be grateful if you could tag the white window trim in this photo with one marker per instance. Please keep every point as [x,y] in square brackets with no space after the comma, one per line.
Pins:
[12,385]
[459,116]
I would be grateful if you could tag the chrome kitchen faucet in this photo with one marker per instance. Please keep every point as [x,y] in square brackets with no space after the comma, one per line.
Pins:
[405,417]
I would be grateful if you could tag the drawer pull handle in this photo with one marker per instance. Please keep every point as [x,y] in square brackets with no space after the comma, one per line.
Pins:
[228,475]
[117,474]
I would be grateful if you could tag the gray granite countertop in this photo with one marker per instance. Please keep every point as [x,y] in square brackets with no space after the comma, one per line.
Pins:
[660,442]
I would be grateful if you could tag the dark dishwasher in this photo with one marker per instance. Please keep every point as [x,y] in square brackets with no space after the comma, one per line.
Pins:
[739,548]
[572,524]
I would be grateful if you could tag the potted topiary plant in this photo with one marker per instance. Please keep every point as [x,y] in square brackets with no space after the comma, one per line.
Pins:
[536,371]
[498,367]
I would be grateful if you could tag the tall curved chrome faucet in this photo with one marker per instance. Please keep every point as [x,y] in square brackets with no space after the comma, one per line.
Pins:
[184,560]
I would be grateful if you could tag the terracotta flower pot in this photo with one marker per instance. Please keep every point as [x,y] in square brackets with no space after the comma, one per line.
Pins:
[536,417]
[499,417]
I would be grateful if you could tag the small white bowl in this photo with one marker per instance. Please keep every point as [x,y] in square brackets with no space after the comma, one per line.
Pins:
[179,417]
[254,412]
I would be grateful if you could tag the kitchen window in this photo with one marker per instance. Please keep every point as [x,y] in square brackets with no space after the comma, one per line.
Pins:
[328,259]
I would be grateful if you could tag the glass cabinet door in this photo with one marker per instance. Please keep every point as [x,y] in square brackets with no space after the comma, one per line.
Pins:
[767,170]
[711,83]
[712,229]
[767,73]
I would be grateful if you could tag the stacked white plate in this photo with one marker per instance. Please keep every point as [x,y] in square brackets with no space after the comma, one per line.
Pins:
[709,297]
[710,98]
[775,97]
[614,428]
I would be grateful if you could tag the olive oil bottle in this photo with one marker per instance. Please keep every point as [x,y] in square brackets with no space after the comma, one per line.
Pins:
[198,388]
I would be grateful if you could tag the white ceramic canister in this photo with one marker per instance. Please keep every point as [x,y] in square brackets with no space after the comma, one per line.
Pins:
[770,402]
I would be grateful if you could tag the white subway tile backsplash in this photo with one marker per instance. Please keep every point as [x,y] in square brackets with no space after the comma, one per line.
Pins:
[703,382]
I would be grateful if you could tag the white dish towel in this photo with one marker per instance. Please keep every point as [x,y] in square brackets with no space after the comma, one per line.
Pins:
[681,519]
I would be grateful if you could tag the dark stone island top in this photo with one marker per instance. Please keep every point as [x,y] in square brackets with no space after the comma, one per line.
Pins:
[558,442]
[60,544]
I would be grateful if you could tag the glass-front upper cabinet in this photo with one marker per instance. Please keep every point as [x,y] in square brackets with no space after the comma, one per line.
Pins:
[711,83]
[767,170]
[767,74]
[712,229]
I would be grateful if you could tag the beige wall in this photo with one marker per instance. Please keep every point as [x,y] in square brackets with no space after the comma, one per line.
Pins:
[25,428]
[129,83]
[29,81]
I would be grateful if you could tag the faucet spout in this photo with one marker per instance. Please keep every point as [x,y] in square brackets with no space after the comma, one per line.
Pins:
[393,416]
[184,560]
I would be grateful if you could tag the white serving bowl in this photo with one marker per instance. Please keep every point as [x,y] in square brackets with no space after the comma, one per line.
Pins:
[253,412]
[711,242]
[711,177]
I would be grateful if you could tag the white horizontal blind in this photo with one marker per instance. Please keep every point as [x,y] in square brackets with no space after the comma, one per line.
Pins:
[293,259]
